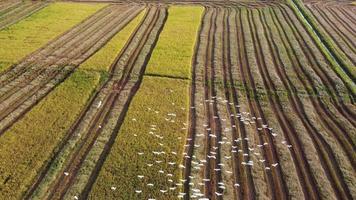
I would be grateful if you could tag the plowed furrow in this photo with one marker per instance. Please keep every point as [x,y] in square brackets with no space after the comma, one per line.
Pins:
[115,97]
[345,13]
[331,24]
[192,131]
[212,151]
[328,30]
[341,19]
[30,62]
[50,77]
[231,97]
[307,181]
[348,114]
[325,154]
[29,9]
[322,74]
[274,177]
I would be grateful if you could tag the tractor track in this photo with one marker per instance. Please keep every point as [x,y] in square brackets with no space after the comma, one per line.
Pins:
[333,37]
[212,120]
[281,190]
[336,98]
[323,111]
[10,18]
[256,110]
[330,25]
[25,93]
[306,178]
[192,117]
[325,153]
[122,86]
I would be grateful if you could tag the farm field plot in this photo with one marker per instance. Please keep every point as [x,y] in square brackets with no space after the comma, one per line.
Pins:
[15,12]
[177,100]
[29,34]
[29,81]
[337,20]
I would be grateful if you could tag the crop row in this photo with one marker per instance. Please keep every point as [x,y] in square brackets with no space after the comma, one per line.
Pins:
[24,37]
[149,144]
[54,115]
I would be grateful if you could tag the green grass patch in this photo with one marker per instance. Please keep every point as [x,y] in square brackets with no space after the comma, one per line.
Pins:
[150,111]
[24,37]
[27,145]
[173,53]
[102,60]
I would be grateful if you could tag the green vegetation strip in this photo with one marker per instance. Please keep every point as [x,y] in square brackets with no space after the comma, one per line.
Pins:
[30,142]
[326,45]
[173,52]
[156,116]
[24,37]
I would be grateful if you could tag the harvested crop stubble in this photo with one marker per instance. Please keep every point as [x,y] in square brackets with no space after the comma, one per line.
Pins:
[102,57]
[150,126]
[172,55]
[35,31]
[30,142]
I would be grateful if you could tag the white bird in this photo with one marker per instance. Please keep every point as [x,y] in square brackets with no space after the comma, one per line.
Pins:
[66,173]
[76,198]
[138,191]
[113,188]
[237,185]
[275,164]
[218,194]
[163,191]
[150,184]
[99,104]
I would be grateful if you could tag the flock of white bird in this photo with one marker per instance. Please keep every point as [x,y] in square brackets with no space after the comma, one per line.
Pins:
[175,186]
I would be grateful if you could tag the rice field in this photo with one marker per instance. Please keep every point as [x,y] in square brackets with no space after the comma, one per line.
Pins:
[177,100]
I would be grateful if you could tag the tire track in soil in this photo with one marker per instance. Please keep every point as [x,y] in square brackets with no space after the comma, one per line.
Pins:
[282,191]
[325,153]
[23,13]
[332,36]
[274,178]
[331,123]
[336,98]
[54,51]
[102,116]
[29,61]
[331,25]
[213,119]
[26,97]
[190,144]
[306,178]
[342,21]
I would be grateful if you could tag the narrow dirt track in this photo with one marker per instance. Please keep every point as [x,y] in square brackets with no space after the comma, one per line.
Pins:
[115,96]
[28,82]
